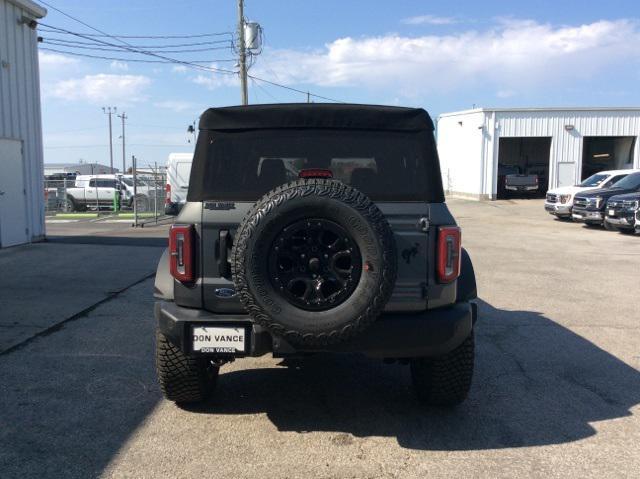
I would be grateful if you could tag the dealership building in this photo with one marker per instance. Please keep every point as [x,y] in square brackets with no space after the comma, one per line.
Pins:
[561,146]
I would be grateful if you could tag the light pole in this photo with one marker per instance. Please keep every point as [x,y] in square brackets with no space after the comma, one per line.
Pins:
[110,111]
[124,163]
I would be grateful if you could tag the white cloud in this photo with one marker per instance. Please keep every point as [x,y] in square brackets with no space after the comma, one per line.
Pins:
[100,88]
[429,20]
[118,65]
[179,69]
[175,105]
[215,80]
[47,59]
[510,56]
[505,93]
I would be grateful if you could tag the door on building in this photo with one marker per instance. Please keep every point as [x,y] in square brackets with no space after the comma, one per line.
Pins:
[601,153]
[523,166]
[13,208]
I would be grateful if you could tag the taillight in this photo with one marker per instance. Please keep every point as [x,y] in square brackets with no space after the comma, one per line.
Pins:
[315,173]
[449,250]
[181,252]
[167,194]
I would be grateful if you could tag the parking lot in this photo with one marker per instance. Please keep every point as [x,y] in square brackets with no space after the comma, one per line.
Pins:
[555,394]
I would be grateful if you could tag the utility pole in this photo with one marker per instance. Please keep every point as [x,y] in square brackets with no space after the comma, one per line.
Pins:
[109,111]
[243,54]
[124,163]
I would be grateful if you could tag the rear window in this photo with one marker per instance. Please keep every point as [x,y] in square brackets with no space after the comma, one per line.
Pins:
[385,165]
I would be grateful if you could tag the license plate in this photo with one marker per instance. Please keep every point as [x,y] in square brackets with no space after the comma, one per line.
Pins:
[218,339]
[577,215]
[612,212]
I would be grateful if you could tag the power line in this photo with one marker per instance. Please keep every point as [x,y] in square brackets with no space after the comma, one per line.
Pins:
[169,59]
[82,47]
[295,89]
[132,49]
[159,37]
[119,59]
[174,45]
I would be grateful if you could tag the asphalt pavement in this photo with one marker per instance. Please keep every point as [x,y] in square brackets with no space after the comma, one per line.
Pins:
[555,394]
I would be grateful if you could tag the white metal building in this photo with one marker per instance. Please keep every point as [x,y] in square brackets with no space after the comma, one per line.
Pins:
[561,145]
[21,170]
[78,168]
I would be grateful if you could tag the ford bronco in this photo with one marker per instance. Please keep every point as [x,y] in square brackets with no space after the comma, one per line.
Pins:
[315,228]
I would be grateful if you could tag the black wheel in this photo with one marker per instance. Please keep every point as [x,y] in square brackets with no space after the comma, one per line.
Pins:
[142,204]
[609,227]
[68,205]
[314,261]
[183,379]
[591,224]
[444,380]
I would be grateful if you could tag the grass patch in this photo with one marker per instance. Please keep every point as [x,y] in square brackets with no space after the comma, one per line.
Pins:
[71,216]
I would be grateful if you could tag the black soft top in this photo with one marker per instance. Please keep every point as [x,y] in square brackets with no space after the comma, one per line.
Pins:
[316,115]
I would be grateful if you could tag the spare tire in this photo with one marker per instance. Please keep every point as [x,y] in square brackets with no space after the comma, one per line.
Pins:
[314,261]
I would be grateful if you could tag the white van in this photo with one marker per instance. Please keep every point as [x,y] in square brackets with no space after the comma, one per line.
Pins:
[178,171]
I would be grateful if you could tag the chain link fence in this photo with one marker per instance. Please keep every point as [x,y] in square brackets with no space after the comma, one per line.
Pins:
[138,196]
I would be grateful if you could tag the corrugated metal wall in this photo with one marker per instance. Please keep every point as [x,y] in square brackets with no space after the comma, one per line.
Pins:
[467,159]
[567,145]
[20,116]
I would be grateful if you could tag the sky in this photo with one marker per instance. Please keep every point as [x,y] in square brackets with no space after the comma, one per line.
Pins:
[441,56]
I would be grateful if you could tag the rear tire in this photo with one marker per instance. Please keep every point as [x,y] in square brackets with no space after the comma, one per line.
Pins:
[142,204]
[445,381]
[183,379]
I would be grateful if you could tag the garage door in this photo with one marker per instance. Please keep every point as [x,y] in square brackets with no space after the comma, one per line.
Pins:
[13,210]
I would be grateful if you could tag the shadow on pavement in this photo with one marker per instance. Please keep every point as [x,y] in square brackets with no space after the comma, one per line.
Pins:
[69,403]
[536,383]
[109,240]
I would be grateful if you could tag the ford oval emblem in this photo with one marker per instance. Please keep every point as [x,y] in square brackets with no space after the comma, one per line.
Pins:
[225,292]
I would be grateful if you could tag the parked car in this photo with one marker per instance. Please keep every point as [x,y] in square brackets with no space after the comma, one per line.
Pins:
[559,201]
[589,207]
[621,212]
[511,180]
[178,172]
[358,254]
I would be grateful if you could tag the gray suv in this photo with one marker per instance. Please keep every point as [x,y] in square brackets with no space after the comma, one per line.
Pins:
[315,228]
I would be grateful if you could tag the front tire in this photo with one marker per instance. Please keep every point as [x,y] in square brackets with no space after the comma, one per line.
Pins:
[445,381]
[609,227]
[183,379]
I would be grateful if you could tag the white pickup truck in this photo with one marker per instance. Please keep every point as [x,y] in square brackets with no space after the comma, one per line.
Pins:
[559,201]
[99,191]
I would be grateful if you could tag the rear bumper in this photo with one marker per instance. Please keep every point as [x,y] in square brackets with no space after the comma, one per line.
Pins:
[431,333]
[523,188]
